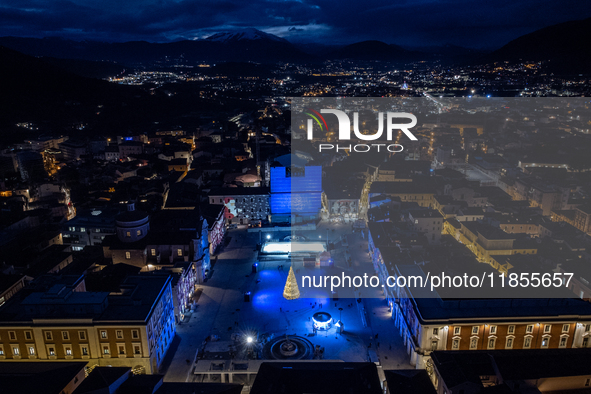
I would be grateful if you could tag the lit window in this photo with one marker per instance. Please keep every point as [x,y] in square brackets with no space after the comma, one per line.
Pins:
[139,232]
[52,351]
[84,351]
[104,334]
[153,252]
[545,342]
[128,255]
[128,234]
[473,343]
[434,345]
[527,342]
[455,344]
[179,252]
[82,229]
[105,350]
[475,330]
[32,350]
[491,343]
[68,351]
[16,351]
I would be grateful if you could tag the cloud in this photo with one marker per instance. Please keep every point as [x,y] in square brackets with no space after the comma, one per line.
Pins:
[312,32]
[408,22]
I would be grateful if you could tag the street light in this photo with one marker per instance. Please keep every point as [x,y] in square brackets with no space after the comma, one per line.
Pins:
[268,236]
[249,339]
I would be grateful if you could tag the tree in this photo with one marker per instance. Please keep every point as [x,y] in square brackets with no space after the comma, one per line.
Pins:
[291,291]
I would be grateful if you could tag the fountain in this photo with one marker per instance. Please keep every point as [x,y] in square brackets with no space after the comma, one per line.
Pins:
[288,348]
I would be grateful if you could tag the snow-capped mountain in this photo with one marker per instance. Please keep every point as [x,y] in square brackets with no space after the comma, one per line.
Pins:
[244,35]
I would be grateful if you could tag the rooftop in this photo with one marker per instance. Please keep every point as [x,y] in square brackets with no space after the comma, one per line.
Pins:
[487,231]
[409,381]
[458,367]
[317,378]
[133,302]
[402,188]
[240,191]
[38,377]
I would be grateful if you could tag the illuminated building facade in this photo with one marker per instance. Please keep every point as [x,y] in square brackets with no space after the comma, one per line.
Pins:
[486,241]
[244,205]
[430,324]
[133,327]
[417,192]
[89,228]
[296,193]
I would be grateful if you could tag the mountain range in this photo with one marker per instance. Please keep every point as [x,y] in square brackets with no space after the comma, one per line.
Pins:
[563,46]
[251,45]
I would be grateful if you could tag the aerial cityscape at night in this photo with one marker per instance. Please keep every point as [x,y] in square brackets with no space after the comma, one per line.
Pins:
[287,197]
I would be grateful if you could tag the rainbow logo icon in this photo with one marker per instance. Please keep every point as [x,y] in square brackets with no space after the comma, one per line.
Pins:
[315,115]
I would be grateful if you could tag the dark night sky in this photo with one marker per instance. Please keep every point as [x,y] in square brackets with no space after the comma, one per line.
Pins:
[473,23]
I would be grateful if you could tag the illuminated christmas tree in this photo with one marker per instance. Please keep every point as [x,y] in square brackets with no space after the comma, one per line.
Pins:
[291,291]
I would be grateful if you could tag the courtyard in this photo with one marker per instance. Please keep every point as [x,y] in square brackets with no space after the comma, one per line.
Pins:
[225,317]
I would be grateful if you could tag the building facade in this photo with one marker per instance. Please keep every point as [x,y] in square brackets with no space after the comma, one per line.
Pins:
[132,328]
[243,204]
[430,324]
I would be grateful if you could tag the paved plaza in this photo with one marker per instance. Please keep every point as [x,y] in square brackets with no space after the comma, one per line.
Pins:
[222,310]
